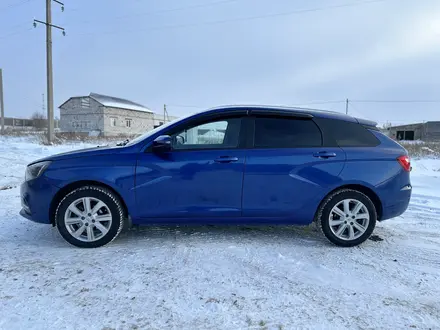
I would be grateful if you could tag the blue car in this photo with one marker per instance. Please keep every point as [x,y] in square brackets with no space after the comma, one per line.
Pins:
[234,165]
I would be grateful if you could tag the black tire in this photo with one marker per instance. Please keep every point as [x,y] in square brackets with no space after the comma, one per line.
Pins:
[323,216]
[105,195]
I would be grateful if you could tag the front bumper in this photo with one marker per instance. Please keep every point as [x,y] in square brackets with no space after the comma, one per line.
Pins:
[36,197]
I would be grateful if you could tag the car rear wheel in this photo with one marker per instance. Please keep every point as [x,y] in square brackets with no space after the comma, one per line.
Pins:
[347,217]
[90,217]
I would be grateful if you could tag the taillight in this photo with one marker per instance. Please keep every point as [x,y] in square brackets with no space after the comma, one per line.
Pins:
[405,162]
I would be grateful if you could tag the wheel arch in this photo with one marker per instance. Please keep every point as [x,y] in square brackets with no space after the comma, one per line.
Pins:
[78,184]
[361,188]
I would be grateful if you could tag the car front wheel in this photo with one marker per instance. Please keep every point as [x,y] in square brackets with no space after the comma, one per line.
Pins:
[90,217]
[347,217]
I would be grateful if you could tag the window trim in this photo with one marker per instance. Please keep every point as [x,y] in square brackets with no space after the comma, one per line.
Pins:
[111,121]
[279,113]
[128,120]
[206,120]
[331,141]
[265,115]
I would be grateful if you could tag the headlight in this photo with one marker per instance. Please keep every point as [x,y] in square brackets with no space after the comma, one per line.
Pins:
[35,170]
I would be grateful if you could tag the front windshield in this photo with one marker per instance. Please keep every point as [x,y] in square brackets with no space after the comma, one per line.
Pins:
[154,131]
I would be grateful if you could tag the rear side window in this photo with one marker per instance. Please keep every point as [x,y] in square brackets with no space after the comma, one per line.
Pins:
[276,132]
[346,134]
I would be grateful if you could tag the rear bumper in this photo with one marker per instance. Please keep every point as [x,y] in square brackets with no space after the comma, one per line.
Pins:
[36,197]
[398,204]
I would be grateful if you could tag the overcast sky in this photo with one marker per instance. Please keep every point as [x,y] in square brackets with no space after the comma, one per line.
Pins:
[211,52]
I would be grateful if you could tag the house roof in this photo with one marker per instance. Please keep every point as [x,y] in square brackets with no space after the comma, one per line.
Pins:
[406,126]
[415,124]
[114,102]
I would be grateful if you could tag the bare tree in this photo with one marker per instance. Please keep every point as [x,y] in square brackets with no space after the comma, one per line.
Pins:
[38,120]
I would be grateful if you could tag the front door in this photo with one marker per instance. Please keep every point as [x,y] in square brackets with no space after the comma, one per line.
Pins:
[288,171]
[201,177]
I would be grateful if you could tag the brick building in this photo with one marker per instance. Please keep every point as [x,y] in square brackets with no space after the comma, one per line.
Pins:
[103,115]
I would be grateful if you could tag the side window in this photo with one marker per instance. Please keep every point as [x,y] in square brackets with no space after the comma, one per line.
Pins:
[222,134]
[286,133]
[346,134]
[113,121]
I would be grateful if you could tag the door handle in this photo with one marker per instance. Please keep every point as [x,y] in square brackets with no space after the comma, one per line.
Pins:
[324,154]
[226,159]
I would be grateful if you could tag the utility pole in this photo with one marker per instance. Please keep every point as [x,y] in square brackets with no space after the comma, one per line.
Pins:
[49,72]
[43,107]
[2,105]
[346,107]
[164,112]
[50,135]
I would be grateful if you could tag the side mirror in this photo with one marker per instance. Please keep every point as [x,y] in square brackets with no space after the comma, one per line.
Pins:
[179,139]
[162,143]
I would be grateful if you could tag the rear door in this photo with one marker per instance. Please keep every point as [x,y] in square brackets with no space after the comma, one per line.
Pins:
[288,169]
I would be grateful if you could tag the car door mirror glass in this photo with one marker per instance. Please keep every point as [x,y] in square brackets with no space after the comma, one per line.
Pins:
[179,140]
[162,143]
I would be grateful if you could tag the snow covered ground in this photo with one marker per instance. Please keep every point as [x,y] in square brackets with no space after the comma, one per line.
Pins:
[218,277]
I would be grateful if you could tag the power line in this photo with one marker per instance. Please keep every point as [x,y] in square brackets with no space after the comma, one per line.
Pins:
[287,13]
[15,29]
[163,11]
[395,101]
[297,105]
[15,5]
[322,102]
[356,110]
[352,106]
[19,25]
[14,33]
[206,107]
[186,106]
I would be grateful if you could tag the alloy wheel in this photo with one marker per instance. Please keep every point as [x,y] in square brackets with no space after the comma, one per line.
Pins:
[88,219]
[349,219]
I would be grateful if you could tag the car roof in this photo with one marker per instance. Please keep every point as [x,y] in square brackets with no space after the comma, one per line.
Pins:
[292,111]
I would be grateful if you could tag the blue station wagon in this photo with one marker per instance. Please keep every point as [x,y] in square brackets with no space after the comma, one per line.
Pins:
[229,165]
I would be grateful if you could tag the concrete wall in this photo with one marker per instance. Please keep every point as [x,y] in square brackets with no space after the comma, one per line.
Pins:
[140,122]
[81,116]
[417,128]
[431,131]
[28,123]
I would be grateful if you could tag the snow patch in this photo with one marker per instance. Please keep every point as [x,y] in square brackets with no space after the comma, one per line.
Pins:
[218,277]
